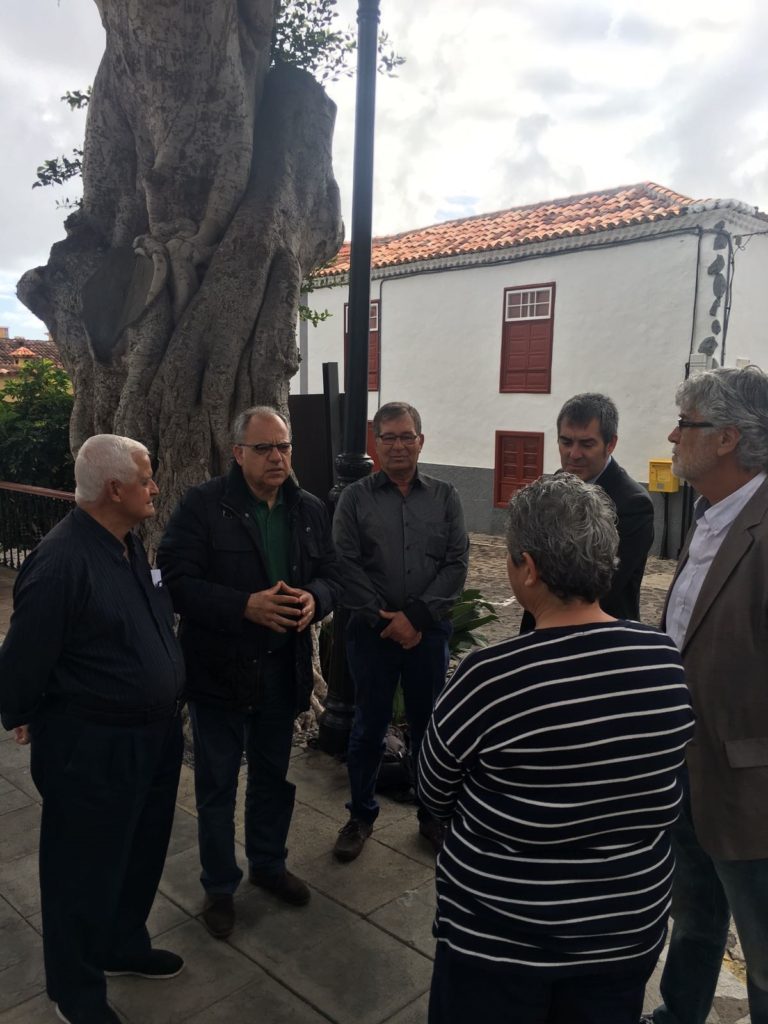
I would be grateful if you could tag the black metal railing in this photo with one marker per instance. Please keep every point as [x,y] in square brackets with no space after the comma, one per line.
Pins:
[26,514]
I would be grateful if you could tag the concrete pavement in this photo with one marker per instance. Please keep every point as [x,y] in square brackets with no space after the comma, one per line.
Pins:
[359,953]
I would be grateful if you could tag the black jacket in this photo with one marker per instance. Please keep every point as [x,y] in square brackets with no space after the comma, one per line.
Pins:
[212,559]
[634,509]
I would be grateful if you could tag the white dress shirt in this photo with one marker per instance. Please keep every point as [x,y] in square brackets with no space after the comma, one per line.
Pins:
[712,525]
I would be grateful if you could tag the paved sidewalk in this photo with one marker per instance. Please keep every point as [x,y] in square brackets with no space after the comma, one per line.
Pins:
[360,953]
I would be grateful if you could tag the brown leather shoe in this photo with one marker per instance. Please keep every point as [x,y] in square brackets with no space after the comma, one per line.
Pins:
[283,885]
[219,914]
[351,839]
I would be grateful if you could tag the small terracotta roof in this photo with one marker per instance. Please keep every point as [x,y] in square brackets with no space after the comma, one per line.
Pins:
[26,348]
[537,222]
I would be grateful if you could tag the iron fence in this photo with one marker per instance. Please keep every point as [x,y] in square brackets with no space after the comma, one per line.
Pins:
[26,515]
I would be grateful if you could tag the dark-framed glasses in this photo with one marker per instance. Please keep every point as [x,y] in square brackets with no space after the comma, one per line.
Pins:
[283,447]
[407,439]
[684,424]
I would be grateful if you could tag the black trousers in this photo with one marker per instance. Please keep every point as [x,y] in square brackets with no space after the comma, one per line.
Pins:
[465,988]
[109,794]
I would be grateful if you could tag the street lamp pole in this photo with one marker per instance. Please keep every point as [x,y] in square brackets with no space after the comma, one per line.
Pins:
[353,463]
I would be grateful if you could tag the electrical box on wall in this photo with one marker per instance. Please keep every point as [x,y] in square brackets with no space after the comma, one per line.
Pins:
[661,478]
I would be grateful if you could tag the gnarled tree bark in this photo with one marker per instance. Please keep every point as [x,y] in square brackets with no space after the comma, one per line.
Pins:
[208,196]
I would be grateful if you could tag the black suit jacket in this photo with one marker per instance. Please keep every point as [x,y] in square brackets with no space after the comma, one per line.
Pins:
[635,524]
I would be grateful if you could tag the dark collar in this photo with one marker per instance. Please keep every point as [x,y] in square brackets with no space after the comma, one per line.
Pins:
[380,479]
[100,535]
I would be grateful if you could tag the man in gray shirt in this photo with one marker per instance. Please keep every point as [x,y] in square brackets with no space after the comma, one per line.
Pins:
[404,550]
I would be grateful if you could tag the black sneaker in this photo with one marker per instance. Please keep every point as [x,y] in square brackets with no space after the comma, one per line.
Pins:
[351,839]
[157,964]
[219,914]
[283,885]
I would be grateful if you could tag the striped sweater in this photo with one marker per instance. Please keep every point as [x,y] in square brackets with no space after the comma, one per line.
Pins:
[556,756]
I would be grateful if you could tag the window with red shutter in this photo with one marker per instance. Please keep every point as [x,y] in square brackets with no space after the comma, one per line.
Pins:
[526,339]
[373,343]
[519,461]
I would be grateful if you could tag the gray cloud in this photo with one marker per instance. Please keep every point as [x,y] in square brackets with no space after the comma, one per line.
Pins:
[568,22]
[634,28]
[707,134]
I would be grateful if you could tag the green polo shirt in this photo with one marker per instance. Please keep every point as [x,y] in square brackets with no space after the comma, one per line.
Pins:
[276,538]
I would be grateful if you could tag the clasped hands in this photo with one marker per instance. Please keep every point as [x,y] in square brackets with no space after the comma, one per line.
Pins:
[400,629]
[281,608]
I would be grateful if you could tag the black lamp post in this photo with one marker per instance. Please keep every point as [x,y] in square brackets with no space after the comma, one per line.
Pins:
[353,463]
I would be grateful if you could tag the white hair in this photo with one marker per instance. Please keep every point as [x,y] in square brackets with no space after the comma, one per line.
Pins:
[102,458]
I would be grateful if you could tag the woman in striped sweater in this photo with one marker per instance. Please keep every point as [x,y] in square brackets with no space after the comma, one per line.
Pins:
[556,758]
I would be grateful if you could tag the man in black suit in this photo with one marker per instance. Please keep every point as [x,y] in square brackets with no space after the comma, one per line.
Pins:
[587,432]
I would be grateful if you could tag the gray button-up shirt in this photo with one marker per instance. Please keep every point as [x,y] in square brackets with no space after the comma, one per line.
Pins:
[398,553]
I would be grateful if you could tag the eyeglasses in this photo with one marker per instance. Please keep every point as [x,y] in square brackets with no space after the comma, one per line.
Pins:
[683,424]
[283,447]
[407,439]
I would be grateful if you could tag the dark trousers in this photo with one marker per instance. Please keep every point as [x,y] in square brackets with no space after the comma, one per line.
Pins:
[704,895]
[265,736]
[109,794]
[377,666]
[464,989]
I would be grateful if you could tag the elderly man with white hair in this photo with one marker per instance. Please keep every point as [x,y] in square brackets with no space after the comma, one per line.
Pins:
[91,675]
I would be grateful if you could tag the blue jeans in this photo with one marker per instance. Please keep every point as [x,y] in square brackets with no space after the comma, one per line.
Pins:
[266,736]
[376,667]
[704,894]
[466,988]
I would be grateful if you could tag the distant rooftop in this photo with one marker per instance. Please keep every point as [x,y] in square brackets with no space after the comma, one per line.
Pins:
[24,348]
[538,222]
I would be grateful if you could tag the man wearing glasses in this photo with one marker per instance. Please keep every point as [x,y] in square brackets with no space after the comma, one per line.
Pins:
[249,562]
[404,553]
[717,614]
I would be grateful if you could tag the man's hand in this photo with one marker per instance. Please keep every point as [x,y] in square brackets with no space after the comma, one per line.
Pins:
[277,608]
[21,735]
[306,603]
[400,630]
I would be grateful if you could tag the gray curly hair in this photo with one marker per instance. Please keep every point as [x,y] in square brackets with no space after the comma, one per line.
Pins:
[733,398]
[569,530]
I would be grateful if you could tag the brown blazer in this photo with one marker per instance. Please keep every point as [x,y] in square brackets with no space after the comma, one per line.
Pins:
[725,654]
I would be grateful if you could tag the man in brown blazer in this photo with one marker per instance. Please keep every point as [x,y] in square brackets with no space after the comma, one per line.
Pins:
[717,613]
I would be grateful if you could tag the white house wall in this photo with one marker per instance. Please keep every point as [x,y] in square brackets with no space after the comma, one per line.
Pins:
[748,326]
[623,325]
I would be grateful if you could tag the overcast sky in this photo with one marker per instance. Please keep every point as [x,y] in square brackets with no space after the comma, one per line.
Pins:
[501,102]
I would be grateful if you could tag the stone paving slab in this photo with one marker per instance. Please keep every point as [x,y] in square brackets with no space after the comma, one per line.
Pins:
[21,963]
[363,979]
[378,876]
[213,970]
[38,1010]
[409,917]
[264,1001]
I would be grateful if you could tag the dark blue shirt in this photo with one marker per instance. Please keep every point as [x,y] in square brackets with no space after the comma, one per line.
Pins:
[88,624]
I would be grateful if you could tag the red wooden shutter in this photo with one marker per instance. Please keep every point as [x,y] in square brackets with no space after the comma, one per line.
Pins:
[373,344]
[526,343]
[519,461]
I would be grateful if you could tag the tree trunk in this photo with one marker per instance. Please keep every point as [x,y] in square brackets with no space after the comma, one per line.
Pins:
[208,196]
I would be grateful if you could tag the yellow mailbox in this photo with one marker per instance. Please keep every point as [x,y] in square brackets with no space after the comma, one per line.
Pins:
[661,478]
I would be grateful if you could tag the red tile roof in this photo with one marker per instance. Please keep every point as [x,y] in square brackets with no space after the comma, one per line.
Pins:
[538,222]
[25,347]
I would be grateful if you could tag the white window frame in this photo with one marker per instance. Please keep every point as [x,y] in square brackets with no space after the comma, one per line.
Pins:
[530,298]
